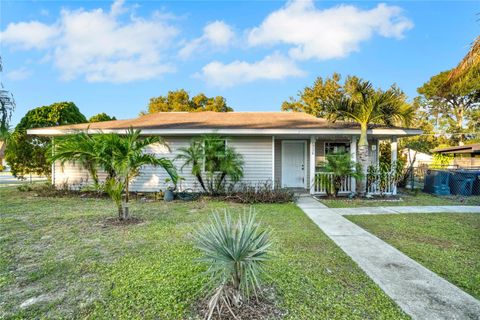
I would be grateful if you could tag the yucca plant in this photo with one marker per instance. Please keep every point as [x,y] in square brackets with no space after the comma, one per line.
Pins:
[236,252]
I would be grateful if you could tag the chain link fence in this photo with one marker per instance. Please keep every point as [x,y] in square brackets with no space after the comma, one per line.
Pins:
[447,180]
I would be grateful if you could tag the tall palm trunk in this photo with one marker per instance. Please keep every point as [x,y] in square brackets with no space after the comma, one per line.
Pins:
[363,159]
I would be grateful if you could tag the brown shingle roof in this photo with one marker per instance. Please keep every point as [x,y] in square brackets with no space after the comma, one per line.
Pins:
[217,120]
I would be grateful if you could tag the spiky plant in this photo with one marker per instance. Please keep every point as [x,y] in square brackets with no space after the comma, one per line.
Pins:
[235,252]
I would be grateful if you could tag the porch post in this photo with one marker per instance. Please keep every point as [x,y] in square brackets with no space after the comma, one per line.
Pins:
[312,164]
[353,157]
[393,149]
[53,163]
[273,162]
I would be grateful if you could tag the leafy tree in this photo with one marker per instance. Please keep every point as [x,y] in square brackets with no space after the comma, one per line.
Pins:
[452,102]
[121,156]
[366,106]
[7,106]
[28,154]
[314,100]
[180,100]
[101,117]
[340,166]
[212,161]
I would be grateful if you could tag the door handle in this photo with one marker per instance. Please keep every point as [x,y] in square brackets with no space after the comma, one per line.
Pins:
[303,166]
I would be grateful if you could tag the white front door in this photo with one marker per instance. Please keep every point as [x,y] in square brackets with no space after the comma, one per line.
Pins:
[293,164]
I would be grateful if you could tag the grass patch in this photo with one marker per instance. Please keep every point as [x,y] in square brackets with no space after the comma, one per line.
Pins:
[446,243]
[59,259]
[405,198]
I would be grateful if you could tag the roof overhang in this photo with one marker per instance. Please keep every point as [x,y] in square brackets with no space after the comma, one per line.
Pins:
[380,132]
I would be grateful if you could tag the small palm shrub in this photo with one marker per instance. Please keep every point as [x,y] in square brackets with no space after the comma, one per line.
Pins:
[339,165]
[213,162]
[236,252]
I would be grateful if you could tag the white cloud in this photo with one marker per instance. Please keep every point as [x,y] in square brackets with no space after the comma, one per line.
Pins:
[327,33]
[216,34]
[273,67]
[29,35]
[18,74]
[99,45]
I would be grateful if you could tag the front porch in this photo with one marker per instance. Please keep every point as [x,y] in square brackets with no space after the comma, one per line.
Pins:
[297,162]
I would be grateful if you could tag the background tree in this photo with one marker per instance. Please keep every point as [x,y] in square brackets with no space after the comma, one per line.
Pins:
[28,154]
[101,117]
[7,106]
[452,102]
[180,100]
[314,100]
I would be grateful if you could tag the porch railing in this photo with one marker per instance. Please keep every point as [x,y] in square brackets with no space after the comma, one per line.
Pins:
[381,183]
[324,180]
[378,184]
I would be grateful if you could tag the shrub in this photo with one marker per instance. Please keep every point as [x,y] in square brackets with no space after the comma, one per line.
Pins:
[260,193]
[213,161]
[236,253]
[339,165]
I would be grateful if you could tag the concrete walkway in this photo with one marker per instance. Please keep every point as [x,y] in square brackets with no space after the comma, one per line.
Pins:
[404,209]
[418,291]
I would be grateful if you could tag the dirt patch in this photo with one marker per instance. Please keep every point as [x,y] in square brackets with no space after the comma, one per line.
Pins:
[263,307]
[120,223]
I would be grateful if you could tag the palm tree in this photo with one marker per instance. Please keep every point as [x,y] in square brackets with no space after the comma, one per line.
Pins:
[212,161]
[471,62]
[121,156]
[366,106]
[128,157]
[81,148]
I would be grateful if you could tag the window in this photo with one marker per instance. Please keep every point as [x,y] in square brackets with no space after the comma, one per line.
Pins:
[214,150]
[337,147]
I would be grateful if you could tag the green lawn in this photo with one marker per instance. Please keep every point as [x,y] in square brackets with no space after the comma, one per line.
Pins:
[446,243]
[60,260]
[405,198]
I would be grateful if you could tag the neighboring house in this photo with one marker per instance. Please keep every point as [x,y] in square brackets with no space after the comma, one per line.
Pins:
[466,156]
[281,147]
[416,158]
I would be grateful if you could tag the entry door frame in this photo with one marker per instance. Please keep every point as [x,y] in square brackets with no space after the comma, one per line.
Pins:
[304,142]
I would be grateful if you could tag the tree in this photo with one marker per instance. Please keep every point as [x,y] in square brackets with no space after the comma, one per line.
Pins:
[179,100]
[28,154]
[314,100]
[469,66]
[212,161]
[101,117]
[7,106]
[121,156]
[452,102]
[366,106]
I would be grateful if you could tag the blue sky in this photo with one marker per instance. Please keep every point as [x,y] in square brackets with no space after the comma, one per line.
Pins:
[113,56]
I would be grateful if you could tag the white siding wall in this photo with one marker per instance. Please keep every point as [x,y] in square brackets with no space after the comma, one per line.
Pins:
[256,152]
[257,157]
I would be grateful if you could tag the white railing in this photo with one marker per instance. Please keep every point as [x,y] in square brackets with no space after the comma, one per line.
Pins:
[325,179]
[381,183]
[377,184]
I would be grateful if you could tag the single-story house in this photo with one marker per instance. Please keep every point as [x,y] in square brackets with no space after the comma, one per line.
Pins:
[466,156]
[416,158]
[284,148]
